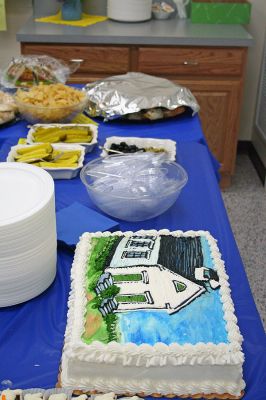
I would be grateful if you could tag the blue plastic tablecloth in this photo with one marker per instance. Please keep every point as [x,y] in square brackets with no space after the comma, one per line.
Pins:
[183,128]
[32,334]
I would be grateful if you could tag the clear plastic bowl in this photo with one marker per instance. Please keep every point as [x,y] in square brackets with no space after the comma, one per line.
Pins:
[132,203]
[40,114]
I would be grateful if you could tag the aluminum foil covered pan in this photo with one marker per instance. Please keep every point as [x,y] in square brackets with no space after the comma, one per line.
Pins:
[138,96]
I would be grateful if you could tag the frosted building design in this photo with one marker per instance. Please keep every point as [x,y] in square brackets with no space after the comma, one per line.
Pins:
[155,273]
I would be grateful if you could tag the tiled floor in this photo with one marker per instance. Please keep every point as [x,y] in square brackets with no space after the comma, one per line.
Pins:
[245,202]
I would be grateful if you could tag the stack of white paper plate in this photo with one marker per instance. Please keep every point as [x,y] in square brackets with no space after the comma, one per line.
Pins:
[129,10]
[27,232]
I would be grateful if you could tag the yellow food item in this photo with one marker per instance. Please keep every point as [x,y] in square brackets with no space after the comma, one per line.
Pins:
[41,156]
[40,136]
[65,155]
[50,139]
[67,130]
[41,130]
[79,139]
[76,132]
[32,156]
[30,149]
[155,149]
[54,95]
[58,101]
[83,119]
[46,164]
[78,135]
[70,134]
[32,160]
[69,160]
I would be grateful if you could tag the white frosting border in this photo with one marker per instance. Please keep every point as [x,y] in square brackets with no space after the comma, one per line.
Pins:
[130,354]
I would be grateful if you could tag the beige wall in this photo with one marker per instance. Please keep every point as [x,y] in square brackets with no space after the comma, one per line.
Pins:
[18,11]
[256,28]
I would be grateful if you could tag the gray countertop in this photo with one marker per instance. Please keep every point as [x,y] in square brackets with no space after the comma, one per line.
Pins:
[153,32]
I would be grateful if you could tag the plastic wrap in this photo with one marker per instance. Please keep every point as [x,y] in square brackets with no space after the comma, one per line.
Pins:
[126,186]
[138,96]
[8,107]
[163,9]
[27,71]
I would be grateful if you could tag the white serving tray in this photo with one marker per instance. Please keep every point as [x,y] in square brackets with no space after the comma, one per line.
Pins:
[88,146]
[56,173]
[167,144]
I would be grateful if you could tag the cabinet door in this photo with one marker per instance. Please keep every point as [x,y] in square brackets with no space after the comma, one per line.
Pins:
[219,114]
[192,61]
[97,61]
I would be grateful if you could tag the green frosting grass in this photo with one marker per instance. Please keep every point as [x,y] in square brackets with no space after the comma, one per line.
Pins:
[127,278]
[134,298]
[99,328]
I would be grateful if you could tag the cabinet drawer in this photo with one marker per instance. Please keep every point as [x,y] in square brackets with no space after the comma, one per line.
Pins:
[96,59]
[195,61]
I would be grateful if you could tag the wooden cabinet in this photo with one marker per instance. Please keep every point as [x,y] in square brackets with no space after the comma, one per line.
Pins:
[196,61]
[214,75]
[219,112]
[98,60]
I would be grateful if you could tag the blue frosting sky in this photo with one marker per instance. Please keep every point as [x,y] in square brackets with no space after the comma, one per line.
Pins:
[200,321]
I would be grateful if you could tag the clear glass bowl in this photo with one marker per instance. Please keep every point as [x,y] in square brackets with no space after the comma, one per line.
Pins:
[40,114]
[152,193]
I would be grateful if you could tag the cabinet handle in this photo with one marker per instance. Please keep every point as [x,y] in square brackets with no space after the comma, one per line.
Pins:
[191,62]
[77,60]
